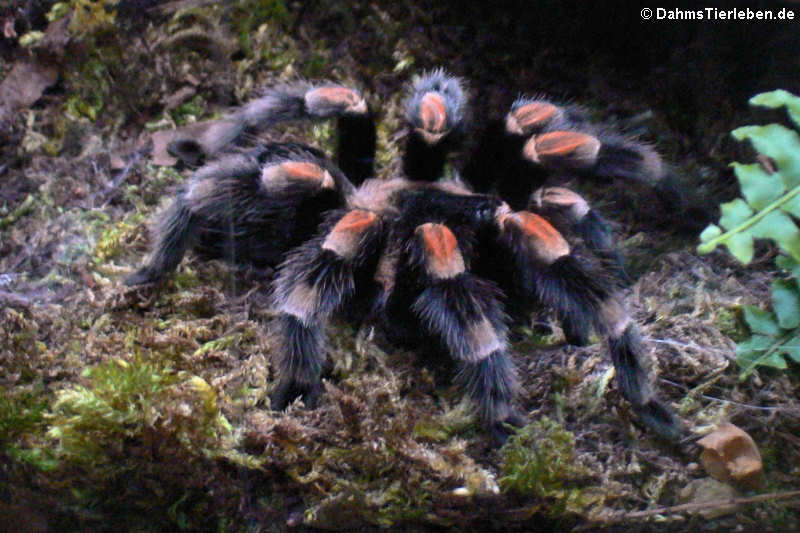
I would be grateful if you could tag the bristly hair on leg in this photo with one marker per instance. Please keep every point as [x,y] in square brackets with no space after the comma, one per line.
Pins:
[436,116]
[626,350]
[296,101]
[173,236]
[317,279]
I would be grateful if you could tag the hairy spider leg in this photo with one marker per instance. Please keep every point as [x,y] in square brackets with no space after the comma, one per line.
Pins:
[548,271]
[248,209]
[464,314]
[317,279]
[174,234]
[606,155]
[435,114]
[571,214]
[356,126]
[538,139]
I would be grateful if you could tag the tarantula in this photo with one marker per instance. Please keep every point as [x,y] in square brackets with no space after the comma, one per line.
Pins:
[445,259]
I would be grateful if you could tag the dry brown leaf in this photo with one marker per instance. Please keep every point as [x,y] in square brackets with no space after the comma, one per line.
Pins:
[24,85]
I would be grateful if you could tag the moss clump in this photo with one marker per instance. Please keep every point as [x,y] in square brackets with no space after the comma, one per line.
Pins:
[247,15]
[731,323]
[21,422]
[20,412]
[540,460]
[139,404]
[116,238]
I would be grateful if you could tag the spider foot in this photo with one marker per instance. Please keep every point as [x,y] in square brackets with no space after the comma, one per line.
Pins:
[143,276]
[189,151]
[436,106]
[532,116]
[660,419]
[503,429]
[287,391]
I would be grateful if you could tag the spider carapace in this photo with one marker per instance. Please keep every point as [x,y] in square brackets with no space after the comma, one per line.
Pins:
[451,259]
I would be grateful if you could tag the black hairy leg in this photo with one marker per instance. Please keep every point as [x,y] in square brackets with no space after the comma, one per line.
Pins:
[539,141]
[571,214]
[463,314]
[247,209]
[435,116]
[317,279]
[250,208]
[174,234]
[291,102]
[547,271]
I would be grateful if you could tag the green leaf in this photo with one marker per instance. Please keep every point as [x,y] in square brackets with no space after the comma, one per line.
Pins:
[711,232]
[786,302]
[773,360]
[777,226]
[792,206]
[707,243]
[749,352]
[740,245]
[792,349]
[734,213]
[758,187]
[779,98]
[761,321]
[755,351]
[781,144]
[789,264]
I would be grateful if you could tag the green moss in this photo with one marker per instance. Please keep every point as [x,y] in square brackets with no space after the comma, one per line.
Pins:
[430,430]
[730,321]
[226,342]
[540,461]
[21,425]
[383,490]
[90,16]
[189,112]
[20,412]
[116,238]
[248,15]
[137,403]
[91,87]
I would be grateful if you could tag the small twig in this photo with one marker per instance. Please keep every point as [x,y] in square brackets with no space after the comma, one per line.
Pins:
[687,507]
